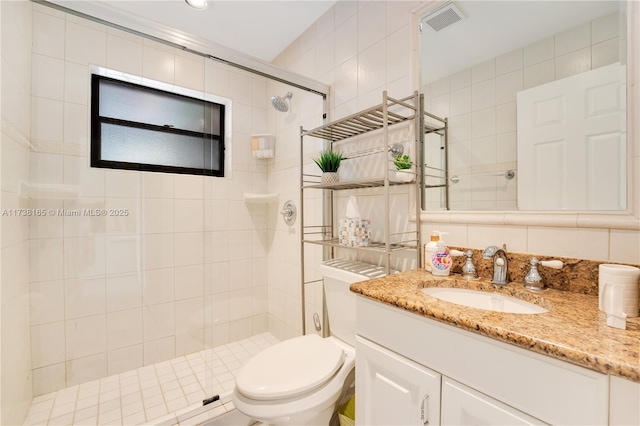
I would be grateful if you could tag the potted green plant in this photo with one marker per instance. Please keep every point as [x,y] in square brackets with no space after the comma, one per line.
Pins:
[329,161]
[404,172]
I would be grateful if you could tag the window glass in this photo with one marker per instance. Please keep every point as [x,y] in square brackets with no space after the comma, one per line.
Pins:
[140,128]
[132,145]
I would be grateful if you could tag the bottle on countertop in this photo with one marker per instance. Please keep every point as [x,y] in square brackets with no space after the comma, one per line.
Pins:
[441,261]
[428,248]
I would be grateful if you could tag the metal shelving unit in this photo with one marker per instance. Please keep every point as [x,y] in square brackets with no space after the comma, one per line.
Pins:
[391,112]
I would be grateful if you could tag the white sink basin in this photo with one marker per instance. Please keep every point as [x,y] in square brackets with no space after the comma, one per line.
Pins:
[481,300]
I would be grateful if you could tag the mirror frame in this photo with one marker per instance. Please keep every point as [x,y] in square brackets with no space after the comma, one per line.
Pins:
[628,219]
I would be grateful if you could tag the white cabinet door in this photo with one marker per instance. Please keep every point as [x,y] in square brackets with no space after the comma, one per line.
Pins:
[624,405]
[462,405]
[393,390]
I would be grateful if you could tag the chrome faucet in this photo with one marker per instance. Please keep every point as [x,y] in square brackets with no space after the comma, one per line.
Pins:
[500,264]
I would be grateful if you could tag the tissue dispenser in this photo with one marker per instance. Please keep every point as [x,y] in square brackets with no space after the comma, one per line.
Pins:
[354,232]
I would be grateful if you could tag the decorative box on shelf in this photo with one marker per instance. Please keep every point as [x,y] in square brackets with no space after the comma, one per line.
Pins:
[354,232]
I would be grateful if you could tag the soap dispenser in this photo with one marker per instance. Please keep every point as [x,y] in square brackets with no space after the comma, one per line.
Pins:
[428,249]
[441,258]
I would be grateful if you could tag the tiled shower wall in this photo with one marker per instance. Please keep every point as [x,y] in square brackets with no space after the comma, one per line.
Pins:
[359,49]
[480,102]
[109,294]
[16,387]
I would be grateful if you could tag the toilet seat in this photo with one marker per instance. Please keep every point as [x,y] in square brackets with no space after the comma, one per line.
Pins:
[290,368]
[301,409]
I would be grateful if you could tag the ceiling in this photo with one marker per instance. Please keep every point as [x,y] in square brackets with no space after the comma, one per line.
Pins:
[259,28]
[492,28]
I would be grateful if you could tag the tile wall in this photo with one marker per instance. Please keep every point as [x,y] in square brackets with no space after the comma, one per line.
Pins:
[15,348]
[358,61]
[362,48]
[359,49]
[599,244]
[110,294]
[480,103]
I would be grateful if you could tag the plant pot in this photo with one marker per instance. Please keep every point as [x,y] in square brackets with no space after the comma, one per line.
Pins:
[329,178]
[404,176]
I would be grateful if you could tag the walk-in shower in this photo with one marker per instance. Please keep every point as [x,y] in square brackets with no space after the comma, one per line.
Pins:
[135,294]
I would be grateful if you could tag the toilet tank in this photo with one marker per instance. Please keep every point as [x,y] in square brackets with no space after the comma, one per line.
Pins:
[338,275]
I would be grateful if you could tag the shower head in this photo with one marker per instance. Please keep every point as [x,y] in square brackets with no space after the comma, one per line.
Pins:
[280,103]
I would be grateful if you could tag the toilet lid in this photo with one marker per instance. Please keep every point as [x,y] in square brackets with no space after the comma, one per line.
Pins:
[289,368]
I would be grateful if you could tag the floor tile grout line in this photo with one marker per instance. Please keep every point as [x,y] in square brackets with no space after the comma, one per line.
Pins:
[136,377]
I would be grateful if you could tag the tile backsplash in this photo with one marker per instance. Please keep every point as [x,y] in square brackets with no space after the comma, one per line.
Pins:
[576,276]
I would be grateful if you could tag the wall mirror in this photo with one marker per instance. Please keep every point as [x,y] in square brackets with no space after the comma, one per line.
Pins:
[535,97]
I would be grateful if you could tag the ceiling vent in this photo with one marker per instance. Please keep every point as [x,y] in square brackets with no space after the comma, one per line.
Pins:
[445,16]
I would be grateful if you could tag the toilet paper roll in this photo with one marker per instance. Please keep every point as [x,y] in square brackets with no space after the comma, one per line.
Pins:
[625,278]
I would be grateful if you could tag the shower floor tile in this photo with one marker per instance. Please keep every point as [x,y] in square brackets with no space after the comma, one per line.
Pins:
[166,393]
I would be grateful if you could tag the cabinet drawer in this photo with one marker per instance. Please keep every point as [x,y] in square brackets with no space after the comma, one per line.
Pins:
[464,406]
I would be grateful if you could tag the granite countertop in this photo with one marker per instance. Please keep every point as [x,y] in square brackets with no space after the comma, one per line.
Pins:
[573,330]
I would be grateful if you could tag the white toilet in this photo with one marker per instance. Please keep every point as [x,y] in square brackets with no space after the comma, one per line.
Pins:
[299,381]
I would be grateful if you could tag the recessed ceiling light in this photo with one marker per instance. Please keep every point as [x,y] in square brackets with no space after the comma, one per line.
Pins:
[197,4]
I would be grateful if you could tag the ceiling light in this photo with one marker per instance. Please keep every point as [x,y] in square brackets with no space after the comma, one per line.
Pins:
[197,4]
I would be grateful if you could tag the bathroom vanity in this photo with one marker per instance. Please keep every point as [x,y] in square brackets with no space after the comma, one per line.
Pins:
[421,360]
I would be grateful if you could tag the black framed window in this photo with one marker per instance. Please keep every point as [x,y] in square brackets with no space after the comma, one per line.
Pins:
[135,127]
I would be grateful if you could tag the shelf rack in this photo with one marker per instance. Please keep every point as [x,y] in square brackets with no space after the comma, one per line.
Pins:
[391,112]
[374,118]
